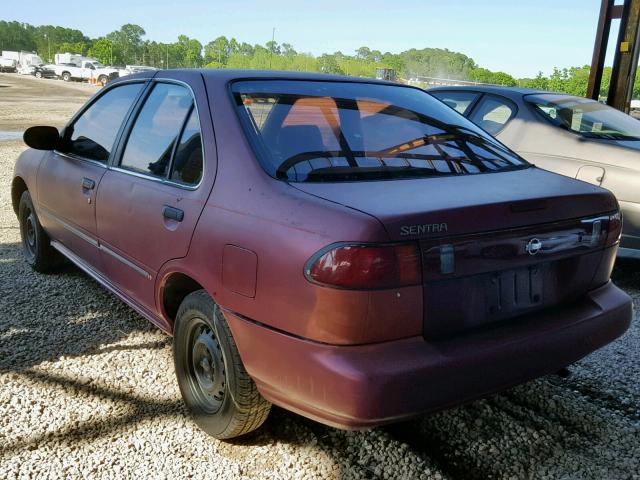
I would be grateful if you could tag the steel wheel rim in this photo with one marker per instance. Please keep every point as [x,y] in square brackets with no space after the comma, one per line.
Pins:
[29,229]
[207,373]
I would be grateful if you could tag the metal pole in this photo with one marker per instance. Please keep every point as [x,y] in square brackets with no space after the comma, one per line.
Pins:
[625,62]
[600,49]
[273,36]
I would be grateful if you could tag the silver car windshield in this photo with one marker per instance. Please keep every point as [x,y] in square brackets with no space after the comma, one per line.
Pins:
[586,117]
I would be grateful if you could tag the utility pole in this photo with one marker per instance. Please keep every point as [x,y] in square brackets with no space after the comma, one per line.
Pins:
[167,56]
[273,36]
[46,35]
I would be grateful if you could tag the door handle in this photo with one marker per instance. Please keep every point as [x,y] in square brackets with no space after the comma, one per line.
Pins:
[88,184]
[173,213]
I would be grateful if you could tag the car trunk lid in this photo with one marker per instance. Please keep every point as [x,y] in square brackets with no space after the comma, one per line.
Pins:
[494,246]
[435,207]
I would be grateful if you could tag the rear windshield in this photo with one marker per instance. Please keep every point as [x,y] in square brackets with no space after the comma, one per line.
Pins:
[586,117]
[306,131]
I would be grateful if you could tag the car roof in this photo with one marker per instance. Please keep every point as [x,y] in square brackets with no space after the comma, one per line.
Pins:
[223,76]
[230,74]
[509,92]
[226,75]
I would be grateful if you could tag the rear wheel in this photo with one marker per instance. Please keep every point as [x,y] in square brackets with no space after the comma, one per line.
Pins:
[38,74]
[215,386]
[66,76]
[36,245]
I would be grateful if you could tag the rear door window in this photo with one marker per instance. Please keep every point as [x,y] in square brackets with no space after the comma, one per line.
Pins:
[93,134]
[492,113]
[156,130]
[187,164]
[459,101]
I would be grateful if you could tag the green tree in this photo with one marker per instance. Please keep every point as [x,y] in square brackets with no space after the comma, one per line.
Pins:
[76,47]
[217,50]
[102,50]
[329,64]
[187,52]
[128,43]
[288,50]
[363,53]
[273,47]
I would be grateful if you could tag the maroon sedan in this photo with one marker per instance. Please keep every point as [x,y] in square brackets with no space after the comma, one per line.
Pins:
[351,250]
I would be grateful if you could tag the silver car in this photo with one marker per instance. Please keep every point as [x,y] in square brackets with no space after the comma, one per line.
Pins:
[570,135]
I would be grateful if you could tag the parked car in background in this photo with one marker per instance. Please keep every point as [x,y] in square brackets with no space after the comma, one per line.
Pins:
[43,71]
[131,69]
[574,136]
[349,249]
[38,71]
[88,69]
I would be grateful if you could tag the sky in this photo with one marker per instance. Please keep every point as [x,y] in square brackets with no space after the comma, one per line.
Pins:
[516,36]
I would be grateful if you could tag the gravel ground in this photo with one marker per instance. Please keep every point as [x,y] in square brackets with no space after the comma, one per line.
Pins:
[87,389]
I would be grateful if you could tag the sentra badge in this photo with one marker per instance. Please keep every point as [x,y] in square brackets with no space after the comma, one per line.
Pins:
[424,229]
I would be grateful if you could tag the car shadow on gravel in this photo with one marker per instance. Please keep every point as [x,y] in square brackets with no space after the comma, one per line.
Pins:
[45,317]
[518,435]
[139,409]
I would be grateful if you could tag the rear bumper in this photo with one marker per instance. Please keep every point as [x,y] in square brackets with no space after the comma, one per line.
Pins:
[362,386]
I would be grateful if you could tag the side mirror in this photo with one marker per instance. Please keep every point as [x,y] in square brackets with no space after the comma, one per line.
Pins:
[42,138]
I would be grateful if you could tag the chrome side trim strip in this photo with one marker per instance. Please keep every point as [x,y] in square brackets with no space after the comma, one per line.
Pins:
[160,180]
[71,228]
[158,321]
[128,263]
[96,244]
[82,159]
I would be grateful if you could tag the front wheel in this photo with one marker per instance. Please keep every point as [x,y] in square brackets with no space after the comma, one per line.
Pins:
[66,76]
[215,386]
[36,246]
[103,80]
[38,74]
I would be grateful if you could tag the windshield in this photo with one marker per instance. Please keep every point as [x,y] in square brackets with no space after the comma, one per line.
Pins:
[306,131]
[586,117]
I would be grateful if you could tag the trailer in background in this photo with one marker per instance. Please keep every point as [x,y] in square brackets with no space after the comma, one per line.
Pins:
[8,65]
[23,58]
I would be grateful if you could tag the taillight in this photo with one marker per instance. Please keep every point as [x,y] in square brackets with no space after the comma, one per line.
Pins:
[614,228]
[365,267]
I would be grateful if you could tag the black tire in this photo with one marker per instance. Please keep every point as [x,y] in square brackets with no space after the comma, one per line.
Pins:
[103,79]
[38,74]
[216,388]
[66,76]
[36,245]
